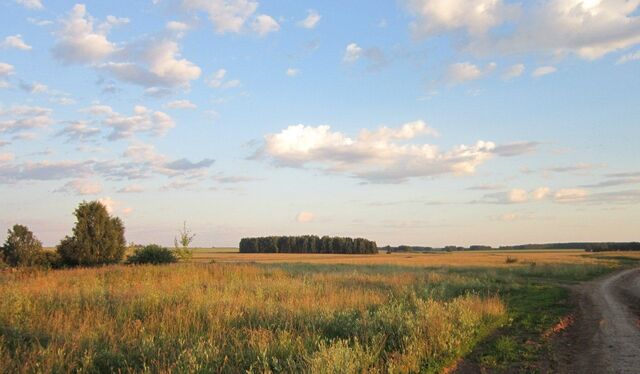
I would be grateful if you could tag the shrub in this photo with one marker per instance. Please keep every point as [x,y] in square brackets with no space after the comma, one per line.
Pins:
[152,254]
[22,248]
[511,260]
[182,241]
[97,237]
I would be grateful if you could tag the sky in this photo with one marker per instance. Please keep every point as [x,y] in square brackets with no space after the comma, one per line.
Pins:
[419,122]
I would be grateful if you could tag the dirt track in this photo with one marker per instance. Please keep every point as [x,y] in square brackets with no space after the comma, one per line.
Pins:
[606,334]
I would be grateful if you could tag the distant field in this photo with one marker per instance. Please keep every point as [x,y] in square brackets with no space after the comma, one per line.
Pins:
[465,259]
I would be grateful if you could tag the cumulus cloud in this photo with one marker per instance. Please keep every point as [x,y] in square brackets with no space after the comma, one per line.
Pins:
[81,187]
[304,217]
[6,69]
[352,53]
[79,41]
[540,193]
[374,55]
[311,21]
[516,196]
[142,120]
[181,104]
[218,80]
[78,131]
[381,155]
[19,118]
[31,4]
[291,72]
[586,28]
[543,70]
[465,71]
[34,88]
[264,24]
[15,41]
[233,16]
[155,63]
[513,71]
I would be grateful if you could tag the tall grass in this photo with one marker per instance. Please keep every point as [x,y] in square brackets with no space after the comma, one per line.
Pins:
[238,318]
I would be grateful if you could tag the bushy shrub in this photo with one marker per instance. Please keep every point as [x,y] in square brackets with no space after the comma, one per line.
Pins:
[22,248]
[152,254]
[97,237]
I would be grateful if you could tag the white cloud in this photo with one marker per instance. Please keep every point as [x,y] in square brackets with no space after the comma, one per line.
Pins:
[570,195]
[4,84]
[462,72]
[34,88]
[540,193]
[81,187]
[181,104]
[109,203]
[518,195]
[79,41]
[158,64]
[589,29]
[311,21]
[634,56]
[177,26]
[226,15]
[142,120]
[543,70]
[15,41]
[513,71]
[264,24]
[24,117]
[291,72]
[304,217]
[31,4]
[352,53]
[217,80]
[475,17]
[6,69]
[379,155]
[79,131]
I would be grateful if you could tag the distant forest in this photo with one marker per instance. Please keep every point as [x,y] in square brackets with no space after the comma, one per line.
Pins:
[587,246]
[307,244]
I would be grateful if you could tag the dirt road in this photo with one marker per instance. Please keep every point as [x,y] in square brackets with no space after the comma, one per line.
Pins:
[606,334]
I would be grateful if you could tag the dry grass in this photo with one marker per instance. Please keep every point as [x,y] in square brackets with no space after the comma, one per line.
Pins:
[238,318]
[460,259]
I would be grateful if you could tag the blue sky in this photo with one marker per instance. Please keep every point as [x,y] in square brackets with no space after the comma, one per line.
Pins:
[425,122]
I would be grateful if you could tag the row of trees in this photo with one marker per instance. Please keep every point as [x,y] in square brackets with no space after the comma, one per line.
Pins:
[97,239]
[307,244]
[587,246]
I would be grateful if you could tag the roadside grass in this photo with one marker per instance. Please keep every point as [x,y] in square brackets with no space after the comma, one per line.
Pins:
[287,317]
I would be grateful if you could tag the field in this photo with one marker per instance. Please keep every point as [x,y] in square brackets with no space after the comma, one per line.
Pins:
[294,313]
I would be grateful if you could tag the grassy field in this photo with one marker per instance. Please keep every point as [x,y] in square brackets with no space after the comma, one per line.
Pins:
[316,314]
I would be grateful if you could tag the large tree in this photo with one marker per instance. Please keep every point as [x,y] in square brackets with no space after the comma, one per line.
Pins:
[97,237]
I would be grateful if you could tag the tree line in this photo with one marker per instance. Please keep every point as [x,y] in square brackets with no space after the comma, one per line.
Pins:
[307,244]
[97,239]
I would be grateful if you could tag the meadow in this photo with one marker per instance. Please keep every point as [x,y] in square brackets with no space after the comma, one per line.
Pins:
[292,313]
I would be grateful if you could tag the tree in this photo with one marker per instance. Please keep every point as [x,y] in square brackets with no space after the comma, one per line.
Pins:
[22,248]
[97,237]
[182,242]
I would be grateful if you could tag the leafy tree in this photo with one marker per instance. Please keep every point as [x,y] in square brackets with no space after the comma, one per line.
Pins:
[182,242]
[22,248]
[152,254]
[97,237]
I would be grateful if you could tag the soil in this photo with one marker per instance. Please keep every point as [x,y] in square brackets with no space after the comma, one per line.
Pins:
[605,337]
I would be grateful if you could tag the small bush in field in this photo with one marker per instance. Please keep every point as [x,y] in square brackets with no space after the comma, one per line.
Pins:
[511,260]
[152,254]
